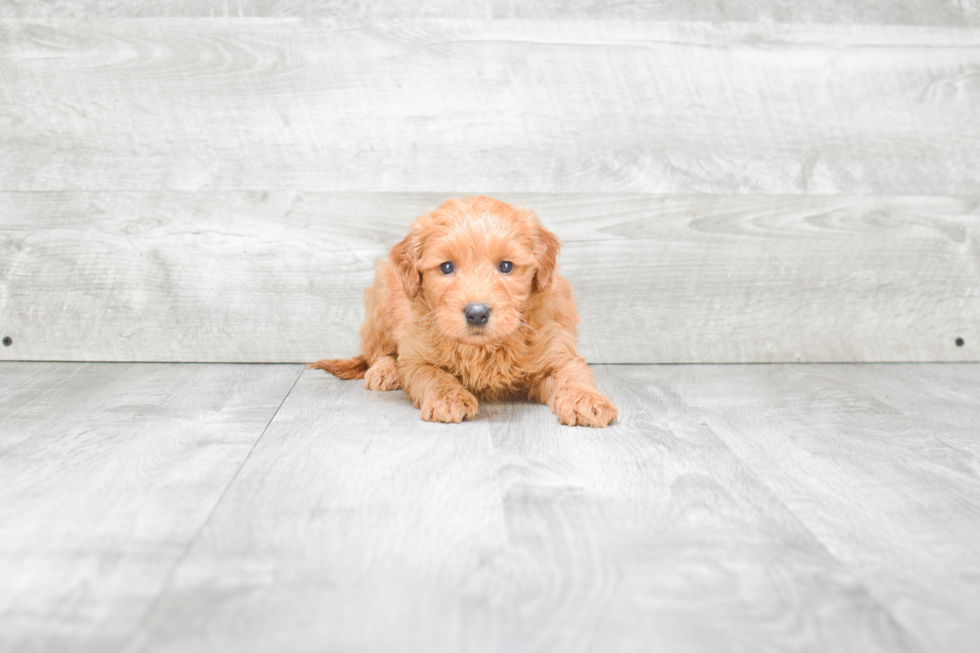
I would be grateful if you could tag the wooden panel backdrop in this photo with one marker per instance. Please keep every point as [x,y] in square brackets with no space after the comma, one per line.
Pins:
[215,189]
[913,12]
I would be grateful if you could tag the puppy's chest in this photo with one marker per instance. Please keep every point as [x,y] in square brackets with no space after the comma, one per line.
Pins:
[497,373]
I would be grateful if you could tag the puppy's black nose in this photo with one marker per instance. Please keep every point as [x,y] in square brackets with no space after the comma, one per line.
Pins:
[476,314]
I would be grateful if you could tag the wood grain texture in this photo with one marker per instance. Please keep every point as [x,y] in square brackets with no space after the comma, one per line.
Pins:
[912,12]
[108,472]
[652,535]
[278,276]
[937,399]
[880,466]
[496,106]
[355,526]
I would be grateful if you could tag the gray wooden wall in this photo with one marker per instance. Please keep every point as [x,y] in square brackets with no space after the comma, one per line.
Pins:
[733,182]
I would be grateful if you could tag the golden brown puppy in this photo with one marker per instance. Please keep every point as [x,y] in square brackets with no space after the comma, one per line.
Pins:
[469,306]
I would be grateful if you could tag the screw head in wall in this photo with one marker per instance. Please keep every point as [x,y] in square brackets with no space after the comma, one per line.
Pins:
[7,341]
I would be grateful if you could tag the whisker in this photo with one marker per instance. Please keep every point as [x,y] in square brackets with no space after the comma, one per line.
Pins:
[431,316]
[527,326]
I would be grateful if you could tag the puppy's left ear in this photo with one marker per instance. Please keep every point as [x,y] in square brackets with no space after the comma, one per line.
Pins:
[546,250]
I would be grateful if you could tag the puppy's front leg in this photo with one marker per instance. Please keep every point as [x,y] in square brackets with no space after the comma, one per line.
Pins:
[571,394]
[436,392]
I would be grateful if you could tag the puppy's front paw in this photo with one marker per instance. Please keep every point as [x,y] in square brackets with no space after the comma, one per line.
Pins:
[585,408]
[382,376]
[454,406]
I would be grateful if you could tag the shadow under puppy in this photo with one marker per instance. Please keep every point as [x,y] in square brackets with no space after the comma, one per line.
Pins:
[468,306]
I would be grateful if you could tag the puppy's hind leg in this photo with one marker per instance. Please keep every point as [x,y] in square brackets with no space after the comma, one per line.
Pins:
[382,375]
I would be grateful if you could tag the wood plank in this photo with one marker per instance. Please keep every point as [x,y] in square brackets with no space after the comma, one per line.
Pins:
[937,399]
[881,485]
[109,471]
[913,12]
[355,526]
[278,276]
[496,106]
[842,282]
[654,536]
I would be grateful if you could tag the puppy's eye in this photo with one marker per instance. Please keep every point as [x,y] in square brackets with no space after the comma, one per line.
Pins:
[506,267]
[447,267]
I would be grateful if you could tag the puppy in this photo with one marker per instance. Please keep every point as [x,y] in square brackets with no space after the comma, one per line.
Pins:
[469,307]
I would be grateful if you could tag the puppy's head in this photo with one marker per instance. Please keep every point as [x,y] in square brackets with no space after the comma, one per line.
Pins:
[475,263]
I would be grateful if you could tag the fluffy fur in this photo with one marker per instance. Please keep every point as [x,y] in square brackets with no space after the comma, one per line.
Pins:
[416,337]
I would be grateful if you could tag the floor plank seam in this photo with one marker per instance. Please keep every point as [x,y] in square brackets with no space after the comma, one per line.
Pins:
[168,580]
[499,481]
[912,639]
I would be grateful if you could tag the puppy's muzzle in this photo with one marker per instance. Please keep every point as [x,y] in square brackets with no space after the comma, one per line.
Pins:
[477,315]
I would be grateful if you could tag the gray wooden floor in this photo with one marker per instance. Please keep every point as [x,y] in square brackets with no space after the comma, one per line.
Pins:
[192,507]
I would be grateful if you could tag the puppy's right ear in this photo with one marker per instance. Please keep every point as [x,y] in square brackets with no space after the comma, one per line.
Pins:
[403,257]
